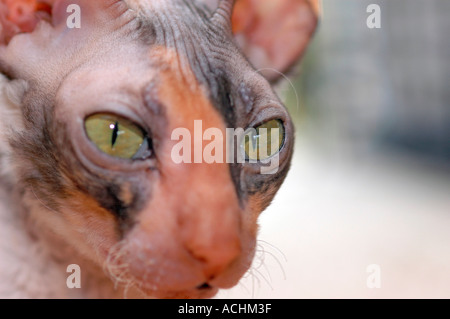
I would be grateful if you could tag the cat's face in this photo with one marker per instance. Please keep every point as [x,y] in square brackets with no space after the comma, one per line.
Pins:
[124,141]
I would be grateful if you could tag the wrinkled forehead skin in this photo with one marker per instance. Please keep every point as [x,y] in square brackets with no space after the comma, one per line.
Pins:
[165,64]
[132,31]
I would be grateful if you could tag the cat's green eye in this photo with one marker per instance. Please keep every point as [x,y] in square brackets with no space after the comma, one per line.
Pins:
[264,141]
[115,135]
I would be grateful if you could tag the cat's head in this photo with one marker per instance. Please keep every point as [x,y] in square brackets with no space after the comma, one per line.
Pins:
[131,131]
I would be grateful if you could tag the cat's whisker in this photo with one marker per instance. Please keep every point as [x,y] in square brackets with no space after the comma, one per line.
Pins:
[264,278]
[274,256]
[274,247]
[278,263]
[242,284]
[260,262]
[254,277]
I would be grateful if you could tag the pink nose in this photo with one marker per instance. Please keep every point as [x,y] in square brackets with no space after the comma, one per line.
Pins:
[215,248]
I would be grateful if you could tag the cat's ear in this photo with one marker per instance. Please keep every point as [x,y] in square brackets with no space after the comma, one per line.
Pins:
[7,28]
[274,34]
[63,39]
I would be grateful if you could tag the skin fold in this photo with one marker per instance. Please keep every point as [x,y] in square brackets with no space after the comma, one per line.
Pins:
[147,227]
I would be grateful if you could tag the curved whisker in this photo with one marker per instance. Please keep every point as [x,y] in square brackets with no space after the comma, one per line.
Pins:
[274,247]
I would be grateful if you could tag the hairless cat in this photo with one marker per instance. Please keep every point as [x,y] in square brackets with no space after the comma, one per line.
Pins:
[90,95]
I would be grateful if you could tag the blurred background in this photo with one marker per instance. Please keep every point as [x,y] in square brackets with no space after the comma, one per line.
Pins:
[370,181]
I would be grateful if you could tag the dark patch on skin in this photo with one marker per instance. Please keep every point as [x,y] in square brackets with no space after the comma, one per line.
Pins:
[121,194]
[109,195]
[262,183]
[146,31]
[224,101]
[35,148]
[266,186]
[235,172]
[113,203]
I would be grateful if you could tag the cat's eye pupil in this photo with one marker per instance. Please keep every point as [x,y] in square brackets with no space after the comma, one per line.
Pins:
[115,128]
[117,136]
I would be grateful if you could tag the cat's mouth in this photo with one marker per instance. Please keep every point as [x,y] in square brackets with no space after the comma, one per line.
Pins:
[22,16]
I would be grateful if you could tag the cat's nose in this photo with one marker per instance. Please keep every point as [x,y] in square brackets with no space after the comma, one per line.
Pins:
[215,243]
[216,259]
